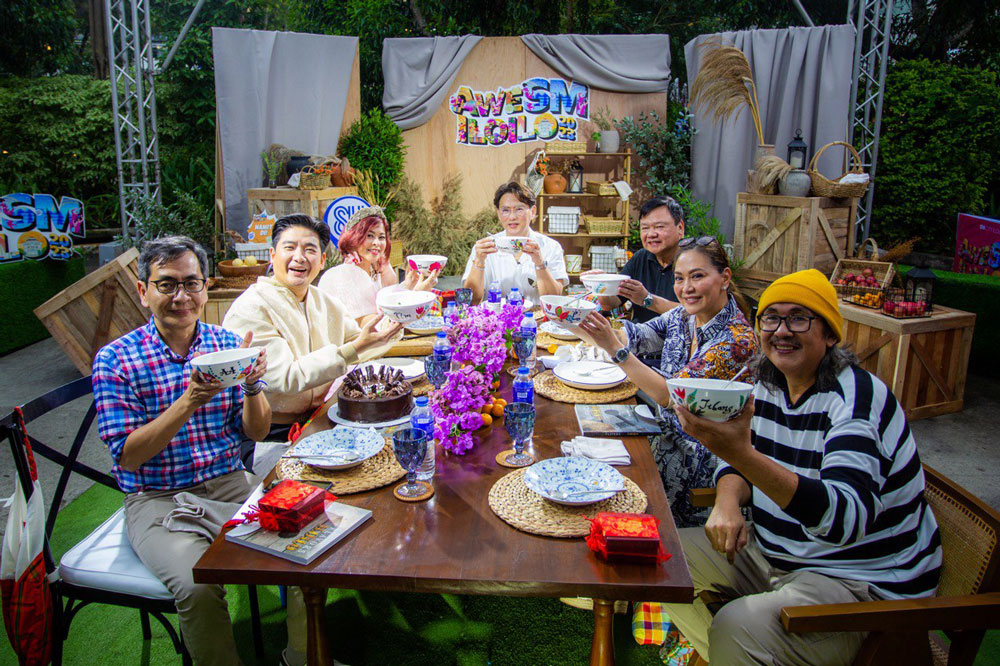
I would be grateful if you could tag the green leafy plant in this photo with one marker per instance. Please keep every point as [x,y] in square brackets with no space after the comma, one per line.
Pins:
[604,120]
[271,166]
[939,153]
[374,143]
[186,217]
[662,146]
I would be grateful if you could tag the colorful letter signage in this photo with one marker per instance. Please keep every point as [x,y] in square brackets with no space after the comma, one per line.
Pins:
[538,109]
[34,227]
[977,245]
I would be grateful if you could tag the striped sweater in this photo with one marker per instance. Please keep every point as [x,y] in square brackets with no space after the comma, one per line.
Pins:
[859,511]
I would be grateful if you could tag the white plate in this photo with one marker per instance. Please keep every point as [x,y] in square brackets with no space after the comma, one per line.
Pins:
[573,474]
[557,331]
[429,325]
[589,375]
[360,442]
[412,368]
[334,415]
[644,412]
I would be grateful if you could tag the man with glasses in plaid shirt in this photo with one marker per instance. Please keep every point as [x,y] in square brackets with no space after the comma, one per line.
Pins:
[171,430]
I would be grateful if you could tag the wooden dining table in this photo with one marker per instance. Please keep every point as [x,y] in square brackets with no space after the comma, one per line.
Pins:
[454,543]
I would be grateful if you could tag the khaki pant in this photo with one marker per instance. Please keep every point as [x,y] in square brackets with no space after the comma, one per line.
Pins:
[748,629]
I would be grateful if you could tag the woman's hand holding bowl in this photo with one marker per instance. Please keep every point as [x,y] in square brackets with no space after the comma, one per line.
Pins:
[596,327]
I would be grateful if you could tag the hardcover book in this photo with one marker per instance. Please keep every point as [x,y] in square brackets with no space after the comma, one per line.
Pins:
[601,420]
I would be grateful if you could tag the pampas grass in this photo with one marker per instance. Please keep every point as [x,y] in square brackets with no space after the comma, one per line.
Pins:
[725,84]
[372,190]
[770,169]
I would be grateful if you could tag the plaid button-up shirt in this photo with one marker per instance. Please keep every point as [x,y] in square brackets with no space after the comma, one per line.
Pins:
[136,378]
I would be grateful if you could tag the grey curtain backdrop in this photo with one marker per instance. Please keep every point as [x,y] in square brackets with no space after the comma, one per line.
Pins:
[618,63]
[803,78]
[275,87]
[418,73]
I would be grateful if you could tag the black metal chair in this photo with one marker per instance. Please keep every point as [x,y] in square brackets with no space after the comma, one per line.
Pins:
[102,568]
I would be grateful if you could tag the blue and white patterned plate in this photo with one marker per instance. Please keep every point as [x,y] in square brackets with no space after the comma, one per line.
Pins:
[571,474]
[428,325]
[339,448]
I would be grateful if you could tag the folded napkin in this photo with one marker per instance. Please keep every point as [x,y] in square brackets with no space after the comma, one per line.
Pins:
[610,451]
[198,515]
[581,352]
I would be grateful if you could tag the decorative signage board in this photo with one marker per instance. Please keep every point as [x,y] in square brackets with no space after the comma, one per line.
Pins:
[538,109]
[339,212]
[977,245]
[36,227]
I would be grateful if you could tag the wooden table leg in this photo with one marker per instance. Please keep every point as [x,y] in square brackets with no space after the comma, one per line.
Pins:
[602,650]
[317,645]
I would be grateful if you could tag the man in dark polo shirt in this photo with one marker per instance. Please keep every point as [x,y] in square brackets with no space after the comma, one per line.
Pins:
[651,289]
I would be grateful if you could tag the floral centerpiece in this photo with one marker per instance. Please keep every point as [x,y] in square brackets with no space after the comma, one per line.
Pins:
[479,339]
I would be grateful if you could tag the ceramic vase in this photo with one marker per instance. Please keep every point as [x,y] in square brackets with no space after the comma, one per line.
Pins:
[796,183]
[609,141]
[555,183]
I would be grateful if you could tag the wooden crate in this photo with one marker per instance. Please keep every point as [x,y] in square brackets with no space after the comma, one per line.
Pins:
[219,301]
[282,201]
[776,235]
[923,361]
[91,312]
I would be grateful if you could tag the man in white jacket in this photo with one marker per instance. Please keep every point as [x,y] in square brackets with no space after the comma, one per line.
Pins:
[309,337]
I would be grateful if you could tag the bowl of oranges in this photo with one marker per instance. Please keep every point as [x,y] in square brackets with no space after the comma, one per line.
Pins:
[238,267]
[491,411]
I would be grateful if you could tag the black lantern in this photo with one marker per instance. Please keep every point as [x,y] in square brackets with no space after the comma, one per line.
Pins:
[919,286]
[575,177]
[797,151]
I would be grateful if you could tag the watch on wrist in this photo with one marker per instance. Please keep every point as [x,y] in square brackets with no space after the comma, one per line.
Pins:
[541,266]
[648,301]
[620,355]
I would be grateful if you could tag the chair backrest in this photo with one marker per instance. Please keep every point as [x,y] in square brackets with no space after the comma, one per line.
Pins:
[32,410]
[970,530]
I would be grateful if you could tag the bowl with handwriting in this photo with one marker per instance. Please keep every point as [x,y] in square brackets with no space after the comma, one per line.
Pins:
[404,306]
[713,399]
[229,366]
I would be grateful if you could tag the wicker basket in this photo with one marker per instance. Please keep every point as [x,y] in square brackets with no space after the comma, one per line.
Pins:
[314,177]
[882,270]
[605,226]
[824,187]
[566,147]
[603,188]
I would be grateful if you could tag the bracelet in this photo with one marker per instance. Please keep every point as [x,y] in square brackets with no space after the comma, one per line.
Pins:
[255,388]
[482,268]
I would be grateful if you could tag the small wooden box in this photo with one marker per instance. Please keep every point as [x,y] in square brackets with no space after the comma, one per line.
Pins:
[218,304]
[285,200]
[923,361]
[777,235]
[91,312]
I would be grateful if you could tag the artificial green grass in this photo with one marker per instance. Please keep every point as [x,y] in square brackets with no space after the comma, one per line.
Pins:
[24,285]
[365,628]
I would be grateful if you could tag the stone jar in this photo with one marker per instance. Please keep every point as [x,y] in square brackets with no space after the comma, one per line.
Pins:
[796,183]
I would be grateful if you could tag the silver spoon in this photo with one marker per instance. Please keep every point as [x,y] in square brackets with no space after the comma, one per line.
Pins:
[733,378]
[563,494]
[336,457]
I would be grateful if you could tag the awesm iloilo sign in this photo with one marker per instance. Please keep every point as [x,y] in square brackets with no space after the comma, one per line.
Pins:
[35,226]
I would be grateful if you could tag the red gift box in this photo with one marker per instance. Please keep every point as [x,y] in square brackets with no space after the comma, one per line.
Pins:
[291,505]
[626,537]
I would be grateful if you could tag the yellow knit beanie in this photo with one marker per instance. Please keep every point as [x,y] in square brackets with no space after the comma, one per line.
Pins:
[810,289]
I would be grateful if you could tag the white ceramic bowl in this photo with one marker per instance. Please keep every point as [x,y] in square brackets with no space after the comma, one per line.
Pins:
[556,310]
[404,306]
[510,244]
[604,284]
[229,366]
[425,263]
[707,398]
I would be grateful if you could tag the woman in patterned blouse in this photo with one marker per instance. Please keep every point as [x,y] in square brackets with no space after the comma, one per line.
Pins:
[707,337]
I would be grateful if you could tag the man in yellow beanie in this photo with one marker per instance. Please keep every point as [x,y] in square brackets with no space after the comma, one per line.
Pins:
[825,460]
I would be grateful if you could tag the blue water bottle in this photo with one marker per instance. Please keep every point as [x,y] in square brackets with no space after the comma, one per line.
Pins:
[494,295]
[421,418]
[515,297]
[529,328]
[449,312]
[442,348]
[524,388]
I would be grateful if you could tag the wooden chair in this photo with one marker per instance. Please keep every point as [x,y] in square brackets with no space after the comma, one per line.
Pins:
[102,568]
[967,601]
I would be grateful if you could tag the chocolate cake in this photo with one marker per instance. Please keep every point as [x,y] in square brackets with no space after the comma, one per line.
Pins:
[367,396]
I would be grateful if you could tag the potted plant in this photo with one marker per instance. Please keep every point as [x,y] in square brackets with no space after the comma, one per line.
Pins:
[272,165]
[606,137]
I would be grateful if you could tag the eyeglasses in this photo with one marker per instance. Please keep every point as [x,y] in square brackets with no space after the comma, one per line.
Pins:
[512,212]
[702,241]
[169,287]
[797,323]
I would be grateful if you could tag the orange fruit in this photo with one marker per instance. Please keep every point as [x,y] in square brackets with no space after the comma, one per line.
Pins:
[486,408]
[487,420]
[497,410]
[501,402]
[553,348]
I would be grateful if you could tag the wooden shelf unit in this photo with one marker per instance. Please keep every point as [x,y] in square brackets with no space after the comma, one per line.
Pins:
[596,166]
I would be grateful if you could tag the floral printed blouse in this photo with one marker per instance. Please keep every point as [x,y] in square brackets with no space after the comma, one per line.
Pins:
[724,345]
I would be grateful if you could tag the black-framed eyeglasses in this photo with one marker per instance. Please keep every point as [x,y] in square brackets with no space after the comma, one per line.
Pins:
[796,323]
[169,287]
[701,241]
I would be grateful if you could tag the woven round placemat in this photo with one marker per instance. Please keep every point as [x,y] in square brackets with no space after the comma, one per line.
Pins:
[379,470]
[421,387]
[548,385]
[528,511]
[544,341]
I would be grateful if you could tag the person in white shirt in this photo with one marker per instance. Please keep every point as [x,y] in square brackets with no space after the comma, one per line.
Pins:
[538,270]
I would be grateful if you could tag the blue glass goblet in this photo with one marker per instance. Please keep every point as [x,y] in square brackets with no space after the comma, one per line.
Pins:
[519,422]
[463,296]
[436,366]
[524,345]
[410,447]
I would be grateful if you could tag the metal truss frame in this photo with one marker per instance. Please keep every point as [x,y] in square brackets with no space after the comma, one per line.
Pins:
[133,99]
[873,32]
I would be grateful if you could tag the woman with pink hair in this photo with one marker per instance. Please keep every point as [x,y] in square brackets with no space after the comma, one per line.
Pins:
[365,247]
